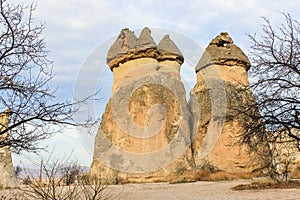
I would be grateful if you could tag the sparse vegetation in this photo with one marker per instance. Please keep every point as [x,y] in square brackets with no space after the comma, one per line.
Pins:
[52,186]
[209,172]
[180,168]
[27,180]
[268,184]
[207,166]
[273,135]
[65,181]
[60,180]
[70,173]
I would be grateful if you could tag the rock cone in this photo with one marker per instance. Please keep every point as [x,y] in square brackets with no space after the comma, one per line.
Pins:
[221,91]
[144,133]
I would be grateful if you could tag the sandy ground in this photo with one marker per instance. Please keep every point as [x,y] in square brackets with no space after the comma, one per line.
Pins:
[200,190]
[185,191]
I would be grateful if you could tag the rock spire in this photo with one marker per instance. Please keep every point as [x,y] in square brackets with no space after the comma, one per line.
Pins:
[222,89]
[147,115]
[222,51]
[128,47]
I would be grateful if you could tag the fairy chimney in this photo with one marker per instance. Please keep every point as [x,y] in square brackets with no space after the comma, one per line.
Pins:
[222,87]
[144,133]
[129,52]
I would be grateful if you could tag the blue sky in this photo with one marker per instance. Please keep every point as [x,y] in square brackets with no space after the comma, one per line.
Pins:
[77,31]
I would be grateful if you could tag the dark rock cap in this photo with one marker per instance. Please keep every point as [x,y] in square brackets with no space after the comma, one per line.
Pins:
[145,40]
[168,50]
[222,51]
[128,47]
[125,42]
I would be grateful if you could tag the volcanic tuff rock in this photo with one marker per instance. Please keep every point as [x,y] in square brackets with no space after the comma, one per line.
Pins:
[128,47]
[148,133]
[7,173]
[222,51]
[168,50]
[145,40]
[147,116]
[222,87]
[128,51]
[124,44]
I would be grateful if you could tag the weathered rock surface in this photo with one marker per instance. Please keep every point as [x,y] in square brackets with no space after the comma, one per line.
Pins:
[128,47]
[149,133]
[221,51]
[168,50]
[7,174]
[125,43]
[145,40]
[222,86]
[128,51]
[144,133]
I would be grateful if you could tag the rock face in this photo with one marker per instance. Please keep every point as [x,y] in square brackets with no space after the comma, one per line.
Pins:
[144,134]
[220,89]
[7,176]
[128,52]
[149,133]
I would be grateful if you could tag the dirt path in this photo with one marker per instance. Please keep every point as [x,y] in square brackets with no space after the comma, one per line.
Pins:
[201,190]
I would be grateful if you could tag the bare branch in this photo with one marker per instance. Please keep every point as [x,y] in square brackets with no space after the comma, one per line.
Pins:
[274,132]
[25,73]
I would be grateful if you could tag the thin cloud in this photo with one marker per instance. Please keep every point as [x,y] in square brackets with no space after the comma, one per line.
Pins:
[74,28]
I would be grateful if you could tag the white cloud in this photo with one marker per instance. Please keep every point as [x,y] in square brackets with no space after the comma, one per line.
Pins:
[66,146]
[75,27]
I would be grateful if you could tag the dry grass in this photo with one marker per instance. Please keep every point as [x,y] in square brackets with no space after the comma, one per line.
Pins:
[60,183]
[206,175]
[93,190]
[268,184]
[12,194]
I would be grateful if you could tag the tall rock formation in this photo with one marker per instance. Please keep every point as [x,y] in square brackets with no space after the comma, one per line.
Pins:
[7,174]
[144,133]
[221,91]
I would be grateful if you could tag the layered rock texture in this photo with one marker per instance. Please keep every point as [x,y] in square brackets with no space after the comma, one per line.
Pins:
[7,174]
[144,134]
[128,52]
[149,133]
[222,87]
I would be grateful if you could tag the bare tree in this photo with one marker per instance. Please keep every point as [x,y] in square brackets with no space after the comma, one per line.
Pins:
[59,183]
[51,187]
[25,72]
[94,188]
[70,173]
[275,56]
[274,116]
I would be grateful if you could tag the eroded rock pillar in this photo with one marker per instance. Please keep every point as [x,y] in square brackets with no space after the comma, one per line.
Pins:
[7,174]
[144,134]
[222,88]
